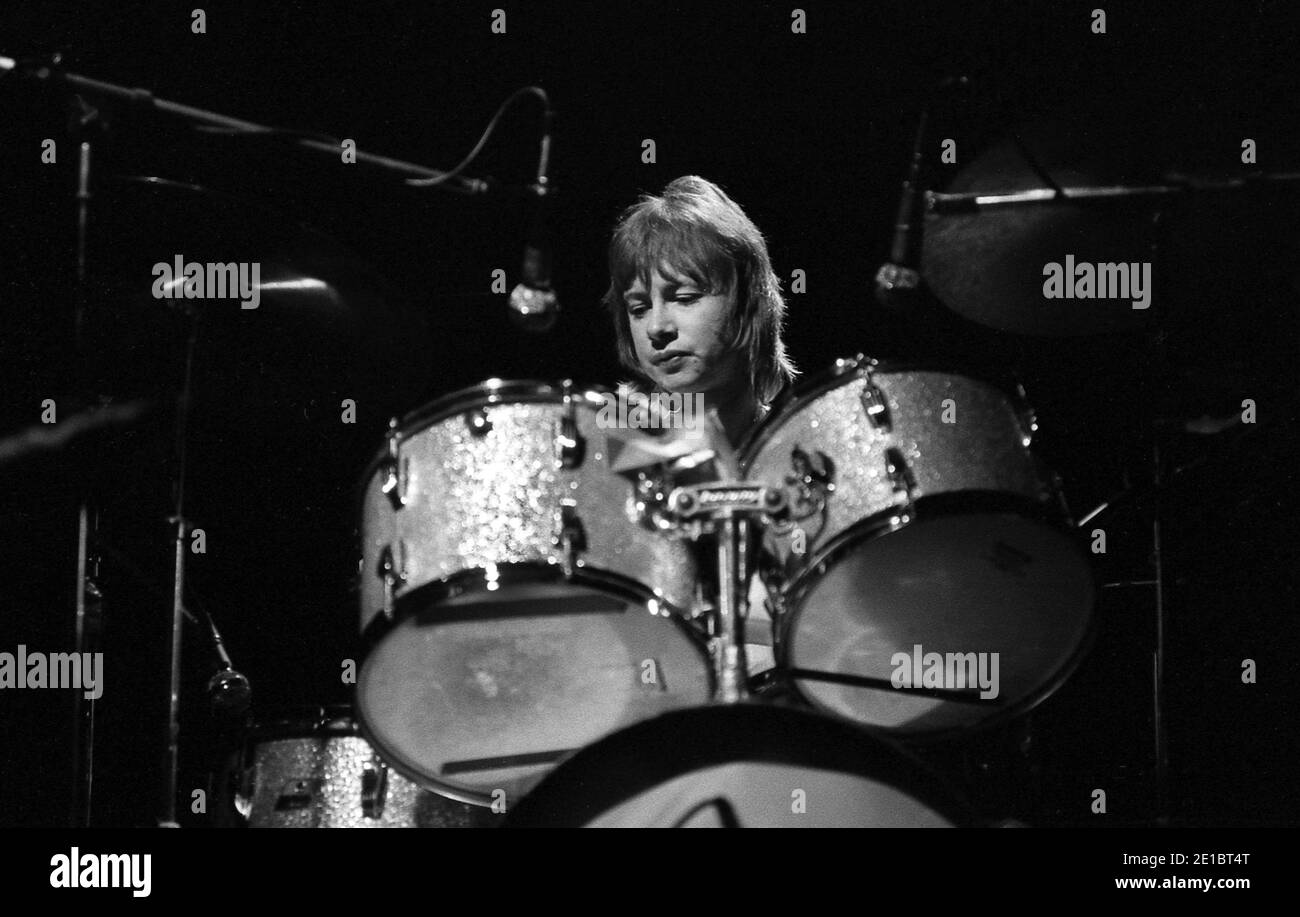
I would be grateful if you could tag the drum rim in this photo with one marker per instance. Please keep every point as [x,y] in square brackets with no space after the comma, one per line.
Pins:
[845,370]
[793,593]
[456,794]
[488,392]
[474,579]
[936,506]
[381,626]
[302,721]
[566,798]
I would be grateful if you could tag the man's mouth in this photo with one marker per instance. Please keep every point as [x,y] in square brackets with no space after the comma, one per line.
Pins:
[669,359]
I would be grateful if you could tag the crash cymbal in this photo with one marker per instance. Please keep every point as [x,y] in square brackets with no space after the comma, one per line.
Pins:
[991,265]
[1210,229]
[301,318]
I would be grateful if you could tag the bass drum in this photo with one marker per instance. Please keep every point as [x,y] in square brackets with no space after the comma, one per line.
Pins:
[744,765]
[932,583]
[517,603]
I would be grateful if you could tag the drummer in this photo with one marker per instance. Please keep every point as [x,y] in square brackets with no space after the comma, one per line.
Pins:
[696,305]
[697,308]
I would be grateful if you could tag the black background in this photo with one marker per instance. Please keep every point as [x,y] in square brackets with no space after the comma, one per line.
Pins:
[811,134]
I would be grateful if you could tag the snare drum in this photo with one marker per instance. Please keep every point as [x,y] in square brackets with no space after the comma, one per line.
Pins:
[931,581]
[313,769]
[516,604]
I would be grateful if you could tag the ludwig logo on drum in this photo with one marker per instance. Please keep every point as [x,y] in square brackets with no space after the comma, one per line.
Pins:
[240,280]
[946,671]
[654,411]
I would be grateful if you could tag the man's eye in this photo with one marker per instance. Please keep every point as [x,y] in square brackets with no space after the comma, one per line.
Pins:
[636,311]
[688,297]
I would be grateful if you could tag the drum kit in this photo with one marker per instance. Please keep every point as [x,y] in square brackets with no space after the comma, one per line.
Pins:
[523,601]
[555,634]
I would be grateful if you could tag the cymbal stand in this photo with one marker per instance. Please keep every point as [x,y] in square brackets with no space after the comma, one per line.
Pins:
[1157,364]
[88,608]
[172,755]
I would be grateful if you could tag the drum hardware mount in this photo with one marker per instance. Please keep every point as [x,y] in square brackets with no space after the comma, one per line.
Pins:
[570,445]
[813,481]
[570,451]
[1027,417]
[393,572]
[374,788]
[723,509]
[900,475]
[855,363]
[650,500]
[396,469]
[699,504]
[876,406]
[874,403]
[478,423]
[572,538]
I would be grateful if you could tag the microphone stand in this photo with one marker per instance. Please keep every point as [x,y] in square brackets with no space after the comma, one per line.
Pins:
[177,519]
[88,623]
[88,615]
[143,98]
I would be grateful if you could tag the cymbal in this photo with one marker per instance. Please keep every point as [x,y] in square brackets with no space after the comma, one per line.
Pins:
[326,323]
[991,265]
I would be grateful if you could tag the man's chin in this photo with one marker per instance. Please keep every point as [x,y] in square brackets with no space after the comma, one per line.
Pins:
[676,383]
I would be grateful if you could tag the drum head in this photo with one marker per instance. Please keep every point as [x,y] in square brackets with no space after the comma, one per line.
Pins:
[488,691]
[1010,594]
[746,765]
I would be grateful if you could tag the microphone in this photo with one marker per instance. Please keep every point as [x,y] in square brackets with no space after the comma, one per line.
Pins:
[898,279]
[533,304]
[229,691]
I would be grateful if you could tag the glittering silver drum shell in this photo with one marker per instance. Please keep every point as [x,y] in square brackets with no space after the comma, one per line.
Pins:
[316,771]
[516,605]
[924,520]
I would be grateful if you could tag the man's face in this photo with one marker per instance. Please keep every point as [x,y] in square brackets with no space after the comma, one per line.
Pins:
[681,333]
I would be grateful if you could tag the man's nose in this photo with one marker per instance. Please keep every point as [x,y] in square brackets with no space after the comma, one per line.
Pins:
[661,328]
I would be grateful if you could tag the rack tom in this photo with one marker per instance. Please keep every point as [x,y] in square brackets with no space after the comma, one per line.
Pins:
[516,602]
[932,582]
